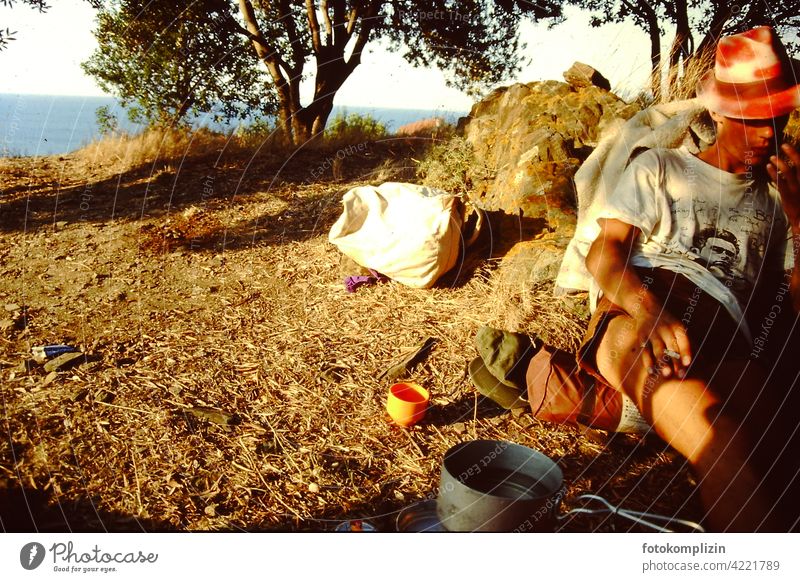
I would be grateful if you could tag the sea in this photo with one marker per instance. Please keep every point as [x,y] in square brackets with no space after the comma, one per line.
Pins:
[41,125]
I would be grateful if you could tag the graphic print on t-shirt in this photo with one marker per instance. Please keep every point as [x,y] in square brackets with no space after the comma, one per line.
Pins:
[718,251]
[731,242]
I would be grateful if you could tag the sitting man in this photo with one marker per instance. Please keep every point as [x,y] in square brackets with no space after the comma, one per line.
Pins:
[670,332]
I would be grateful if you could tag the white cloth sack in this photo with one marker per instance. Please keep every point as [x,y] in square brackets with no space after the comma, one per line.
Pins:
[409,233]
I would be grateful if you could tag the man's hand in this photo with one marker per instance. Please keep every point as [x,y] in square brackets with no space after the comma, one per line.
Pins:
[786,175]
[663,339]
[665,343]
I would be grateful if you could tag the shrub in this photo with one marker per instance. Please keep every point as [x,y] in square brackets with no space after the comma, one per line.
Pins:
[107,122]
[351,128]
[449,166]
[263,132]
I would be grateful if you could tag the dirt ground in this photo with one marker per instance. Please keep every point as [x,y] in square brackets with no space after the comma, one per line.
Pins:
[230,383]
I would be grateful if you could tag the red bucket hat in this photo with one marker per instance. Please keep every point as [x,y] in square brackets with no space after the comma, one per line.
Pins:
[752,77]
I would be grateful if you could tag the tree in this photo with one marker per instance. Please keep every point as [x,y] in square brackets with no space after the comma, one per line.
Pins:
[698,24]
[475,42]
[165,60]
[7,34]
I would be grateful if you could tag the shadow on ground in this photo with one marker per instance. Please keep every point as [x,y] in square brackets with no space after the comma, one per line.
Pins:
[24,510]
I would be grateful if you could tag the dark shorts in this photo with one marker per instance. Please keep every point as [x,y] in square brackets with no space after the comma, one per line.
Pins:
[713,334]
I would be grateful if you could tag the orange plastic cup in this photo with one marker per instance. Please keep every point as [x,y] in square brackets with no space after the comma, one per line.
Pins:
[407,403]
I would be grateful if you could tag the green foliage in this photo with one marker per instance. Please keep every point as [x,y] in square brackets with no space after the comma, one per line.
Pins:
[8,34]
[475,42]
[166,60]
[107,122]
[695,26]
[354,128]
[449,166]
[260,133]
[225,47]
[258,127]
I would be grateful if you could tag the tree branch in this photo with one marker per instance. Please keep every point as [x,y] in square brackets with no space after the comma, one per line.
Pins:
[340,34]
[363,34]
[268,54]
[313,25]
[323,6]
[298,54]
[722,13]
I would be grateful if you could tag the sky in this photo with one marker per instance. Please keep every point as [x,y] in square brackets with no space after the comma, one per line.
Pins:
[46,55]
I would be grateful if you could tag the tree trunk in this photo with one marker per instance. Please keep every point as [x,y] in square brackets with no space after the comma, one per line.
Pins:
[705,50]
[681,48]
[311,120]
[288,96]
[300,124]
[655,57]
[702,58]
[645,11]
[332,72]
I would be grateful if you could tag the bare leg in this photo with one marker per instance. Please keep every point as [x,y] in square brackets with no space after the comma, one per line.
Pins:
[691,416]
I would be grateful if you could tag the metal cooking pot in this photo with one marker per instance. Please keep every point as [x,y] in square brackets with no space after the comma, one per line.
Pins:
[497,486]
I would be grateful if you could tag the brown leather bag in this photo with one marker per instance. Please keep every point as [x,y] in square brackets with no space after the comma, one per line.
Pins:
[559,391]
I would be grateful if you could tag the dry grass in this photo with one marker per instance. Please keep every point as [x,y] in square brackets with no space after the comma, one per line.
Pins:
[236,304]
[122,152]
[125,151]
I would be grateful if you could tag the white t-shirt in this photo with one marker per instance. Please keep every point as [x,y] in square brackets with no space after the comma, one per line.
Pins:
[720,230]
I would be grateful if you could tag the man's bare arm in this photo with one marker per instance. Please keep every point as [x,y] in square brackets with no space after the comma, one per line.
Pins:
[608,261]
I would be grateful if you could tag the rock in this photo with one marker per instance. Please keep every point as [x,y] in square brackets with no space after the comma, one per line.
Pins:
[581,75]
[529,263]
[529,140]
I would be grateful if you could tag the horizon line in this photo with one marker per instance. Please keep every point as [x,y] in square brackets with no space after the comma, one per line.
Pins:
[78,96]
